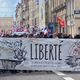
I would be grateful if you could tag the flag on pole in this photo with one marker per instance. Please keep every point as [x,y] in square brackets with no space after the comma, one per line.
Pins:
[61,22]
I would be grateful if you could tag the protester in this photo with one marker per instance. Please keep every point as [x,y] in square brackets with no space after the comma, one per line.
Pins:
[51,36]
[77,36]
[40,33]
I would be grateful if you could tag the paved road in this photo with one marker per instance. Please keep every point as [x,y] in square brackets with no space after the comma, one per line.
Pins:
[74,75]
[42,76]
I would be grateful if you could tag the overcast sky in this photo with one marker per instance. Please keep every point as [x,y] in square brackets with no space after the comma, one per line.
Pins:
[8,7]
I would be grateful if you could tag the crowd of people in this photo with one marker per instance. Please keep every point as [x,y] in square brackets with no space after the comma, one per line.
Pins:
[55,35]
[41,34]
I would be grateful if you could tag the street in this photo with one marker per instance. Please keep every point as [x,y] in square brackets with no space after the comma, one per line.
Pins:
[39,39]
[42,76]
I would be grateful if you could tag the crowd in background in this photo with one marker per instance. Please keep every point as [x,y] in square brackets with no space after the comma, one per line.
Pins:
[39,34]
[42,35]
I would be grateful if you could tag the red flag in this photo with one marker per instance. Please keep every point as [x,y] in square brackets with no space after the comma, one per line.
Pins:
[61,22]
[59,18]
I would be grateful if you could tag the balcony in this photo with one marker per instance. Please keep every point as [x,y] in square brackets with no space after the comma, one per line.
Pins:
[60,7]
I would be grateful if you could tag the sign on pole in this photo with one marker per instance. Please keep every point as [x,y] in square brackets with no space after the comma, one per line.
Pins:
[71,22]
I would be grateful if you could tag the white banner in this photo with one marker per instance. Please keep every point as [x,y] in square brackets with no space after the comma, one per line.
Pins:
[40,54]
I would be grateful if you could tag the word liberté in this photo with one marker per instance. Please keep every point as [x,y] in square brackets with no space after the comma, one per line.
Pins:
[45,51]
